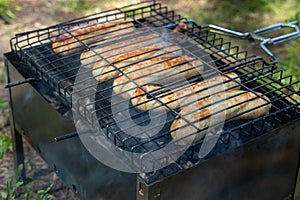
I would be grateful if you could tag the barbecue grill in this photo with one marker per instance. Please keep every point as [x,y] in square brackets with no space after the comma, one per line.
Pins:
[79,124]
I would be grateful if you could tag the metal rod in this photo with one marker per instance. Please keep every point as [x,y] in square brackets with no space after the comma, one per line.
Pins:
[66,136]
[16,83]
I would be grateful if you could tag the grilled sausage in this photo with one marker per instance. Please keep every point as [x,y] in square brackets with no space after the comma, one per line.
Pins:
[184,94]
[114,49]
[67,44]
[235,102]
[124,43]
[164,68]
[103,71]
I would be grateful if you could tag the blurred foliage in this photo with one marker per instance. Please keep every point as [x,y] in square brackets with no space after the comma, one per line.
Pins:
[80,6]
[5,140]
[288,57]
[5,144]
[236,14]
[6,11]
[19,190]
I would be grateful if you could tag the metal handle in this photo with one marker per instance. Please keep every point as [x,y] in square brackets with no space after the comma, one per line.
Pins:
[16,83]
[66,136]
[256,35]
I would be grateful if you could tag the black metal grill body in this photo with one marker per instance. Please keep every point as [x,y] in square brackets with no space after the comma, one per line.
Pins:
[250,158]
[39,122]
[265,164]
[268,163]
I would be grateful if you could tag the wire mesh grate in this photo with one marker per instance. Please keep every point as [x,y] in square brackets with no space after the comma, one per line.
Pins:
[141,27]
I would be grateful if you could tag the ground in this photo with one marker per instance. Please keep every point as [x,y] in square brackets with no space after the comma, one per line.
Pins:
[35,14]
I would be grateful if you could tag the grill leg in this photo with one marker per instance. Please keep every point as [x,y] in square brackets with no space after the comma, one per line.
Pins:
[17,141]
[18,152]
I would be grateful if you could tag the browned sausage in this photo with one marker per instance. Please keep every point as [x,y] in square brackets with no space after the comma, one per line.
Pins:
[117,48]
[202,117]
[184,94]
[164,68]
[103,71]
[67,44]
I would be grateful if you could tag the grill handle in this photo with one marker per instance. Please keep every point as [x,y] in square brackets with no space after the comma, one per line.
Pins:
[66,136]
[256,35]
[21,82]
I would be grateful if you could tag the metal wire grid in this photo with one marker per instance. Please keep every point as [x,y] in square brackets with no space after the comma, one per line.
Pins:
[247,84]
[40,55]
[210,41]
[34,47]
[284,109]
[154,15]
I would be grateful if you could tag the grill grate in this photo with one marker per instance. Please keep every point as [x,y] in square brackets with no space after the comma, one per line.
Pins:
[35,47]
[95,98]
[236,133]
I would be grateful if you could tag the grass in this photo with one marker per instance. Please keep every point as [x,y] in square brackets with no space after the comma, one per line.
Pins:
[5,144]
[289,59]
[77,6]
[6,11]
[19,190]
[233,13]
[5,140]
